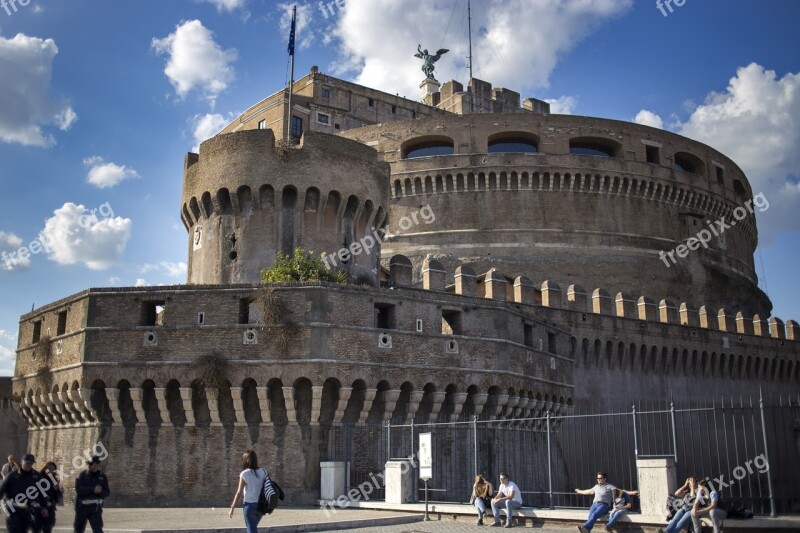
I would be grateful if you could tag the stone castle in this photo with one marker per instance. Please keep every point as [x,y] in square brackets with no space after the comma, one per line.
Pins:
[521,272]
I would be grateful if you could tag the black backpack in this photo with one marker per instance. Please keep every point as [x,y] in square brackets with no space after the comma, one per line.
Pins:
[269,496]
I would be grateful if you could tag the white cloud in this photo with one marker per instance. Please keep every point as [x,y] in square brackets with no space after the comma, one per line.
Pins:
[141,283]
[8,346]
[114,281]
[105,175]
[9,260]
[168,268]
[26,105]
[227,5]
[563,105]
[196,61]
[517,43]
[304,35]
[756,122]
[206,126]
[73,235]
[648,118]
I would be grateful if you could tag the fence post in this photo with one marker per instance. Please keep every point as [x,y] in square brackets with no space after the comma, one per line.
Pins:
[388,440]
[674,435]
[635,437]
[549,463]
[475,442]
[415,497]
[766,455]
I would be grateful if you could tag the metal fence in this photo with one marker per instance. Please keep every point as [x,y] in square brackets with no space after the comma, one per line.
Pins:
[749,449]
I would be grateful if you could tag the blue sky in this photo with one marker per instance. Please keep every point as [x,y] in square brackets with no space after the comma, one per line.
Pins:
[100,101]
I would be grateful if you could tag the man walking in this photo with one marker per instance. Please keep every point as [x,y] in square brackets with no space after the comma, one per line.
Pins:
[508,497]
[92,490]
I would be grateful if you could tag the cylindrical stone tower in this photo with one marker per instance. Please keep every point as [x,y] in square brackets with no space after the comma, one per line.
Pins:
[245,199]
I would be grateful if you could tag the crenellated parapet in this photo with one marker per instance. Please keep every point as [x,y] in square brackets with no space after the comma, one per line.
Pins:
[247,198]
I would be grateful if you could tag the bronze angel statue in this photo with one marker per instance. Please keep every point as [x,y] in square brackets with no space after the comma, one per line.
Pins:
[429,60]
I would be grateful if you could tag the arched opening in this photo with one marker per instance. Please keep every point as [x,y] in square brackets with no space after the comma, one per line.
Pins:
[245,198]
[152,413]
[288,203]
[126,410]
[202,412]
[277,403]
[594,146]
[427,147]
[99,402]
[175,404]
[250,403]
[224,201]
[686,162]
[302,400]
[513,142]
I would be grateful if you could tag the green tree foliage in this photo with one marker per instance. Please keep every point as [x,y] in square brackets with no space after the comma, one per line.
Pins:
[302,266]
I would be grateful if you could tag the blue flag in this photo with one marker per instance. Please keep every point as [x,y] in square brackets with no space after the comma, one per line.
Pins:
[291,37]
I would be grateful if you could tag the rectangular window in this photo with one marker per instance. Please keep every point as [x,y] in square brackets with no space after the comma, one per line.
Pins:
[297,127]
[37,332]
[451,322]
[322,118]
[62,323]
[720,175]
[262,124]
[551,342]
[244,310]
[394,109]
[371,102]
[528,333]
[384,316]
[652,154]
[326,93]
[153,313]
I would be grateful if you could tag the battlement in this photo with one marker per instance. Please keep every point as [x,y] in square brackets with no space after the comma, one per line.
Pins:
[522,290]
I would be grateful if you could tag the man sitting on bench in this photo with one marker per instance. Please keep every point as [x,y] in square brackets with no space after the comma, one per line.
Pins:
[508,497]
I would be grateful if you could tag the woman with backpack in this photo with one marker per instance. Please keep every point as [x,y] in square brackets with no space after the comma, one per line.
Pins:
[251,481]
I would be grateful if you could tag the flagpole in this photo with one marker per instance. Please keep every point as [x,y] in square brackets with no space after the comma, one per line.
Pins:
[291,75]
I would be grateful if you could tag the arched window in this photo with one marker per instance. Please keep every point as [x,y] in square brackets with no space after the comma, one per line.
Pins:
[427,147]
[597,147]
[513,143]
[692,164]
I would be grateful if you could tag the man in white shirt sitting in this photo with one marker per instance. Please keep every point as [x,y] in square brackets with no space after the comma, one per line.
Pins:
[508,497]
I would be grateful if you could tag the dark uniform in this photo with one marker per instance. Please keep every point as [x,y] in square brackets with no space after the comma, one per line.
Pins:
[89,504]
[53,497]
[19,510]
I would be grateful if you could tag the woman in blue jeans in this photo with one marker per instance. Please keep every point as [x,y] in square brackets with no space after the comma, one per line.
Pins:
[482,493]
[251,480]
[683,517]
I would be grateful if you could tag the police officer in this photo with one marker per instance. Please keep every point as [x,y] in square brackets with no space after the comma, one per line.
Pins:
[92,489]
[22,496]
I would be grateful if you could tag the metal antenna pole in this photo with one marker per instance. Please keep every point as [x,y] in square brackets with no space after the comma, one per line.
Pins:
[469,24]
[291,77]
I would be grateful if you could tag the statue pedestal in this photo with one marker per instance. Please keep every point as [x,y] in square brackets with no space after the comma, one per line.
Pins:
[429,87]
